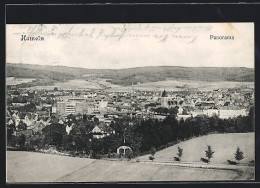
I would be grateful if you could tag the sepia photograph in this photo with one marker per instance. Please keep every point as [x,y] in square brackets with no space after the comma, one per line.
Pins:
[133,102]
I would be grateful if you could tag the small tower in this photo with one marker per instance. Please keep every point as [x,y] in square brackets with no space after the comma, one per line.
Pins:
[133,90]
[164,99]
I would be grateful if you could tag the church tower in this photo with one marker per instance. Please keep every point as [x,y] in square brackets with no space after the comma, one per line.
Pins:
[164,100]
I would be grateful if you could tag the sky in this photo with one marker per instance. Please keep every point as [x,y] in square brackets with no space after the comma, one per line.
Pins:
[117,46]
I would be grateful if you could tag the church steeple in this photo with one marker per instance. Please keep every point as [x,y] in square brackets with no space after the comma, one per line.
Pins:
[164,94]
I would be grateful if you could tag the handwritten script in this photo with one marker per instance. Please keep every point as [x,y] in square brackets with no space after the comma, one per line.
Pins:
[118,32]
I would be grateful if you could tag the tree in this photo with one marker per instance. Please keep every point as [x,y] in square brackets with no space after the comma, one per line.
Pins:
[239,155]
[31,107]
[53,134]
[174,111]
[152,151]
[71,116]
[97,146]
[179,152]
[96,120]
[21,140]
[209,153]
[22,126]
[251,122]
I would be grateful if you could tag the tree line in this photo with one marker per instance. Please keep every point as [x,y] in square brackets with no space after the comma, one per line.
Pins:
[139,134]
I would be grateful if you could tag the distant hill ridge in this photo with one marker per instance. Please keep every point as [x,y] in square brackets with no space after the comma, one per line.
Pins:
[128,75]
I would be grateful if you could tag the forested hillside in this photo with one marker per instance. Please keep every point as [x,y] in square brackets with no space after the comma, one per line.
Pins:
[135,75]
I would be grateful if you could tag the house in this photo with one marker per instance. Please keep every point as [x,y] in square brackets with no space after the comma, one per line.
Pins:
[211,112]
[196,113]
[184,117]
[10,122]
[231,113]
[16,119]
[101,130]
[160,117]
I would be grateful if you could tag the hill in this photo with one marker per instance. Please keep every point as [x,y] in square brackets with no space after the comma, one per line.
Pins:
[224,145]
[37,72]
[154,74]
[29,167]
[139,74]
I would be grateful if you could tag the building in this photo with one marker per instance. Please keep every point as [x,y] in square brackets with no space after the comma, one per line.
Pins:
[221,113]
[164,100]
[211,112]
[102,130]
[231,113]
[61,108]
[71,107]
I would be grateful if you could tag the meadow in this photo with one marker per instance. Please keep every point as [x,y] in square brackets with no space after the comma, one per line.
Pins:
[38,167]
[16,81]
[169,85]
[224,145]
[26,167]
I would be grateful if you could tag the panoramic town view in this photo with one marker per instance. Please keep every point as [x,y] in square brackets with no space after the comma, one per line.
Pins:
[129,103]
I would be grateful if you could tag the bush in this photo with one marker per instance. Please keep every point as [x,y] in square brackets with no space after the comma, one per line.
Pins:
[251,163]
[21,140]
[116,155]
[151,157]
[129,155]
[204,160]
[232,162]
[97,156]
[29,148]
[176,158]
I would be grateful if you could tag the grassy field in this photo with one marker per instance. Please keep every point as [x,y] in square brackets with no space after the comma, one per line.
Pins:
[36,167]
[224,145]
[77,84]
[170,85]
[16,81]
[176,85]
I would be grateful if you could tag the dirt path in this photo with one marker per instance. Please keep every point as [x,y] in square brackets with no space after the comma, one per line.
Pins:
[243,172]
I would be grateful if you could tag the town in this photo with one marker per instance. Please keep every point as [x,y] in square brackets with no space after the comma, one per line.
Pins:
[29,112]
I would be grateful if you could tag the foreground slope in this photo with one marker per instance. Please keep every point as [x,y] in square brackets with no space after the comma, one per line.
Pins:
[224,145]
[37,167]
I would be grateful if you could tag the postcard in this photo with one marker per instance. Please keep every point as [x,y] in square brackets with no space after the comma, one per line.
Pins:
[134,102]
